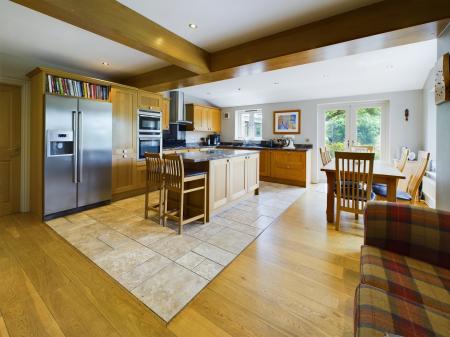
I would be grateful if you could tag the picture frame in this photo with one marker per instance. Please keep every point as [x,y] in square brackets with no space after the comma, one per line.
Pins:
[442,80]
[287,122]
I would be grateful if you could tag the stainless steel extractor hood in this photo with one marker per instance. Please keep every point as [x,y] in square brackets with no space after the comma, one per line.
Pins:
[177,110]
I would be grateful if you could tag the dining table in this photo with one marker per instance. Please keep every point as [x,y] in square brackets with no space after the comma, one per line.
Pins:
[383,173]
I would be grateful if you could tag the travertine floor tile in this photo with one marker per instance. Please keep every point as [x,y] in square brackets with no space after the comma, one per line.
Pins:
[208,269]
[144,271]
[231,240]
[175,246]
[190,260]
[123,259]
[214,253]
[170,290]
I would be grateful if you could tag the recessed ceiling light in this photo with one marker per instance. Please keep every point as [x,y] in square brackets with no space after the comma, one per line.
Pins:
[105,63]
[239,89]
[193,26]
[276,83]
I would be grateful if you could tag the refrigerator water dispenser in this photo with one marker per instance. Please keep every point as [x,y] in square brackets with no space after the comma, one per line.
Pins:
[59,143]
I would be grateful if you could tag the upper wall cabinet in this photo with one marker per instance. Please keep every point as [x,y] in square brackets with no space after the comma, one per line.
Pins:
[203,118]
[165,113]
[149,101]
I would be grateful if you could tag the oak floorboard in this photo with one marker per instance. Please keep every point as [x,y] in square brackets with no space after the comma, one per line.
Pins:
[296,279]
[3,330]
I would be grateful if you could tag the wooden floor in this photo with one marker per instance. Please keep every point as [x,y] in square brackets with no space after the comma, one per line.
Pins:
[297,279]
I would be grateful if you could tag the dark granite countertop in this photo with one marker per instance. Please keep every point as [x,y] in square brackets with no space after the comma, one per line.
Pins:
[197,157]
[189,146]
[256,147]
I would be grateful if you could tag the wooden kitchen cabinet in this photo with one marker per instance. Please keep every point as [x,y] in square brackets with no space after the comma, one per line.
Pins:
[238,177]
[230,179]
[149,100]
[165,113]
[290,167]
[252,172]
[124,106]
[218,183]
[203,118]
[264,163]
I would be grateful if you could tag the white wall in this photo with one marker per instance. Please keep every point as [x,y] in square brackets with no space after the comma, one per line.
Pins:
[429,116]
[443,138]
[401,133]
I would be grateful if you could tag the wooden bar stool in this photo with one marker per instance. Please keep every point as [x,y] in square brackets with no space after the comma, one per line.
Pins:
[175,180]
[154,181]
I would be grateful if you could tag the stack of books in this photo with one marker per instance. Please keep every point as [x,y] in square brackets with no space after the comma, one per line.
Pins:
[67,87]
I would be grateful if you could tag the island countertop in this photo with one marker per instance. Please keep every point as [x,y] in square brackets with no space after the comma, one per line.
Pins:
[204,156]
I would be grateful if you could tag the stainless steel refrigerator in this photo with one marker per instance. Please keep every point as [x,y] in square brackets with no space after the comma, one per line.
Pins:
[78,156]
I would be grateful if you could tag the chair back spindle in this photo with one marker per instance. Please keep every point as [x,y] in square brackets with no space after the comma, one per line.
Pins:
[173,172]
[354,175]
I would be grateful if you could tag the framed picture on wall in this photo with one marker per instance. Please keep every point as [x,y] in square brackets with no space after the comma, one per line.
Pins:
[287,122]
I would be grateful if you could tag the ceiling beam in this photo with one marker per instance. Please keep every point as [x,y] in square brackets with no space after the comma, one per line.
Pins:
[112,20]
[381,25]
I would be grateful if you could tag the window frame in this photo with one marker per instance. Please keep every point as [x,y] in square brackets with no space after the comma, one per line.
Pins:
[252,129]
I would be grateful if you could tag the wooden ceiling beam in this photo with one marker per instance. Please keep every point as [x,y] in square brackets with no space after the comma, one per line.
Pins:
[112,20]
[381,25]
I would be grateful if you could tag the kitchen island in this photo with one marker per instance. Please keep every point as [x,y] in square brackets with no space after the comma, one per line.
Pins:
[232,174]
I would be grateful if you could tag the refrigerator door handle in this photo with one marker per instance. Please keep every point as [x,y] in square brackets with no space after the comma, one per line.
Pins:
[80,146]
[75,147]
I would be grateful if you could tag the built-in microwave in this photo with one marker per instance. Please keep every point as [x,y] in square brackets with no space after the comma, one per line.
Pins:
[149,121]
[151,144]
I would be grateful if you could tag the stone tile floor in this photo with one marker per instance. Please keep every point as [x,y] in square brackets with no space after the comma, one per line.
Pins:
[163,269]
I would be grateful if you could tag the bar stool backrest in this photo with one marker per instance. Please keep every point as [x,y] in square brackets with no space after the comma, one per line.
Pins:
[173,172]
[155,169]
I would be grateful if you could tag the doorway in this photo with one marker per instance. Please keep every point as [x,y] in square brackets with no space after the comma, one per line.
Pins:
[355,124]
[10,149]
[344,125]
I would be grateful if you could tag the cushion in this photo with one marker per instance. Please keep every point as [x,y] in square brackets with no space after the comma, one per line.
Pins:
[378,313]
[406,277]
[381,190]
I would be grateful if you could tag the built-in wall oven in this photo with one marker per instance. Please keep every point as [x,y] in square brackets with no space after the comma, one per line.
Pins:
[146,143]
[149,133]
[149,121]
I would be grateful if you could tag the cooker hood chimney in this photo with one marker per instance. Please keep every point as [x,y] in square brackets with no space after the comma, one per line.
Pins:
[177,110]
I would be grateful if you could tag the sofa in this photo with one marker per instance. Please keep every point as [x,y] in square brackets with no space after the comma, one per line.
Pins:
[405,272]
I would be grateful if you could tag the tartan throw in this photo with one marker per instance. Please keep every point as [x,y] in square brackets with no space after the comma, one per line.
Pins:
[405,277]
[418,232]
[379,313]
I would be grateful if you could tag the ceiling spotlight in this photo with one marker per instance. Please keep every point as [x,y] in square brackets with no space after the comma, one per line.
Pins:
[276,83]
[239,89]
[193,26]
[105,63]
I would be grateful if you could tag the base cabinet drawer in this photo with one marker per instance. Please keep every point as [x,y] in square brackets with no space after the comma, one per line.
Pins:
[286,167]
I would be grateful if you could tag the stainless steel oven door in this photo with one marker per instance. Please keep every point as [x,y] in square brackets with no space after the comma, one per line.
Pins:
[149,121]
[152,144]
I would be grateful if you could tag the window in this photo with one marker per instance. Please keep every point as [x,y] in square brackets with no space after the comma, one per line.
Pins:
[249,124]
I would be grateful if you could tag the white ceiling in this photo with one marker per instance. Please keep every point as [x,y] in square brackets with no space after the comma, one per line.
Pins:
[29,39]
[394,69]
[223,24]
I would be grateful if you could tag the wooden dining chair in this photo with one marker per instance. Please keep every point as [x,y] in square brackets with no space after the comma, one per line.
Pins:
[154,182]
[362,148]
[411,194]
[403,159]
[182,182]
[325,155]
[354,175]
